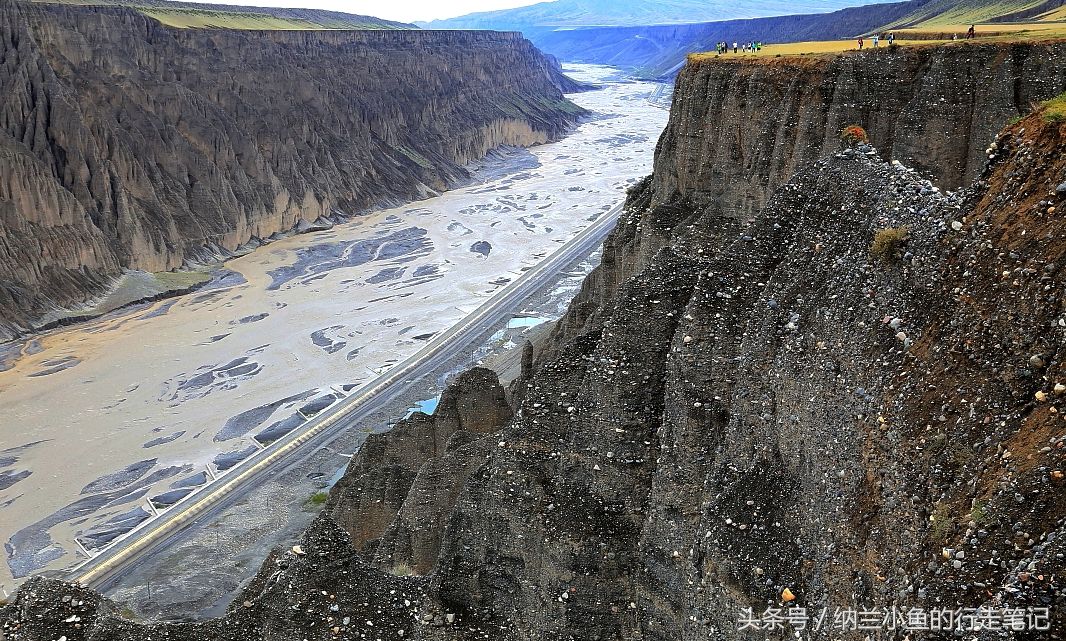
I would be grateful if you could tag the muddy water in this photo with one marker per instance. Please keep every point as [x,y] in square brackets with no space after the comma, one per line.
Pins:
[106,421]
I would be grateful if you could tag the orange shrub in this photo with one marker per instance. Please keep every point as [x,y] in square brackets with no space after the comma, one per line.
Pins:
[854,135]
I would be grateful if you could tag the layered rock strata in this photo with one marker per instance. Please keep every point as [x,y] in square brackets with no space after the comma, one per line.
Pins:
[125,144]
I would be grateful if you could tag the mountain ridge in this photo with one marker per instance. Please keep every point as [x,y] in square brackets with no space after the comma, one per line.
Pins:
[585,13]
[176,13]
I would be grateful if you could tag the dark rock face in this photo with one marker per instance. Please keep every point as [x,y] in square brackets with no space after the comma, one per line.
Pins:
[126,144]
[401,486]
[730,408]
[740,129]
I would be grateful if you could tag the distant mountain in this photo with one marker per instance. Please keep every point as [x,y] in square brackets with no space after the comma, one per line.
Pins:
[657,51]
[592,13]
[201,15]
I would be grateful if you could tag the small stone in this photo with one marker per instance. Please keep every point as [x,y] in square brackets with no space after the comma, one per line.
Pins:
[956,225]
[298,550]
[786,595]
[1041,396]
[1036,360]
[1060,388]
[247,604]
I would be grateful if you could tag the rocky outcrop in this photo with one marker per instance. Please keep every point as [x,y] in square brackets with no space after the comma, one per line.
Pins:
[396,496]
[854,399]
[127,144]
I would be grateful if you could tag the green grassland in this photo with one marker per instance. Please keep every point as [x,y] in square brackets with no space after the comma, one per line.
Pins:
[939,13]
[191,15]
[1054,14]
[1054,110]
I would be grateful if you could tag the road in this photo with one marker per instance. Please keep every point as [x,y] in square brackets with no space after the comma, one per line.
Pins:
[655,99]
[109,565]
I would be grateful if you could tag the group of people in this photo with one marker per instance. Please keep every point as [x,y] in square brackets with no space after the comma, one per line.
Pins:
[747,47]
[875,40]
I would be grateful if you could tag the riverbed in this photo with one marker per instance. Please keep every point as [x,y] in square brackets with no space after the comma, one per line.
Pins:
[109,421]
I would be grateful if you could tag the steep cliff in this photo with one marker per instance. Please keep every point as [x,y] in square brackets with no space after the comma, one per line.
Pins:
[739,129]
[127,144]
[855,394]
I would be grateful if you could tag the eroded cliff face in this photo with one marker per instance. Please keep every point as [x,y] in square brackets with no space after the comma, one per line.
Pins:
[126,144]
[739,129]
[400,488]
[731,408]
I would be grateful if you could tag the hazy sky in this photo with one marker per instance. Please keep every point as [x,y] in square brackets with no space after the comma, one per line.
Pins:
[402,10]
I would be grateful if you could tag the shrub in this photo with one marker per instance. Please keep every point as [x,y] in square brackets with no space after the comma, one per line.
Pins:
[980,513]
[318,498]
[887,242]
[853,135]
[940,522]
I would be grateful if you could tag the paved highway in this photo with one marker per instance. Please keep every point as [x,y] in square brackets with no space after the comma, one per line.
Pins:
[108,566]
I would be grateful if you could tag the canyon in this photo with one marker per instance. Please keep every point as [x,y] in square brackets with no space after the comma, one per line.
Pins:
[128,145]
[160,395]
[806,373]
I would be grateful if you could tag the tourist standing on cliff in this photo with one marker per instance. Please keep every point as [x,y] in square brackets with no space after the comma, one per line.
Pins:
[972,32]
[860,44]
[875,40]
[891,39]
[736,47]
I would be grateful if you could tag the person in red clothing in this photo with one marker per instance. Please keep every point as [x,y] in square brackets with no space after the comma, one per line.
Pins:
[860,44]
